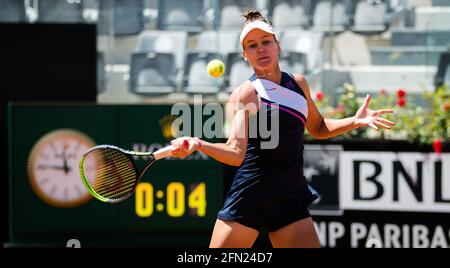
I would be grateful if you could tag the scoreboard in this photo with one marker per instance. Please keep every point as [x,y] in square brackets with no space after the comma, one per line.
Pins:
[175,203]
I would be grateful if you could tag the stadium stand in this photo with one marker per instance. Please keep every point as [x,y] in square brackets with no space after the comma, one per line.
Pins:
[373,78]
[237,70]
[434,17]
[374,16]
[372,42]
[196,79]
[415,37]
[121,17]
[293,62]
[359,54]
[406,55]
[443,72]
[288,14]
[306,42]
[441,3]
[149,46]
[152,73]
[56,11]
[220,42]
[12,11]
[174,42]
[229,13]
[370,17]
[101,73]
[181,15]
[329,15]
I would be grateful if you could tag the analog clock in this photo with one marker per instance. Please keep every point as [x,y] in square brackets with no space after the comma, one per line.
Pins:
[53,168]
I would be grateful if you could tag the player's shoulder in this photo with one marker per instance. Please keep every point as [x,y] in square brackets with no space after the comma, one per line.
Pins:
[299,78]
[301,81]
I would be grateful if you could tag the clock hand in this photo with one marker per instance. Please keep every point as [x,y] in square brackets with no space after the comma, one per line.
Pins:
[66,166]
[51,166]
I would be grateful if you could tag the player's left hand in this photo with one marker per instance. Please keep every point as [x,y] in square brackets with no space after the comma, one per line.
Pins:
[367,117]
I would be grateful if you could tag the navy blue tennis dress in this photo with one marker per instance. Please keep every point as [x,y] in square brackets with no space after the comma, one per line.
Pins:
[269,190]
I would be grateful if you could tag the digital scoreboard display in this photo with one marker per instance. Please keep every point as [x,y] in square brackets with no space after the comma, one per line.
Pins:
[174,204]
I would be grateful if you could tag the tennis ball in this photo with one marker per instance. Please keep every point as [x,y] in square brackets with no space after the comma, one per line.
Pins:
[215,68]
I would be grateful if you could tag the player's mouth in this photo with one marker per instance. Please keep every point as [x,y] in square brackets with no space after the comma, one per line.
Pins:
[264,60]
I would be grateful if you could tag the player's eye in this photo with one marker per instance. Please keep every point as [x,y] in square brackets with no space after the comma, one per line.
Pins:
[252,46]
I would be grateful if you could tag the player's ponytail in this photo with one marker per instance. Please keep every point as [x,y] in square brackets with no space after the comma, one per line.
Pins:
[253,15]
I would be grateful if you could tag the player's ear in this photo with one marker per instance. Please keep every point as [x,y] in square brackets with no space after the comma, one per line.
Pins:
[243,55]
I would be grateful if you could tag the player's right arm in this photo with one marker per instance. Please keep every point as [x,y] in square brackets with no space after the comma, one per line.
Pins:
[242,103]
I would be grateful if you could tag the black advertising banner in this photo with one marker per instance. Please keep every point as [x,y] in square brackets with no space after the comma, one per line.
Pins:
[174,204]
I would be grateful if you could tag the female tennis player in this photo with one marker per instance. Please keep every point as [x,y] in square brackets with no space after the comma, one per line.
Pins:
[269,191]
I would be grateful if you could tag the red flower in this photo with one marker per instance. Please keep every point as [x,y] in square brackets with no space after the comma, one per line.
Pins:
[437,146]
[401,92]
[319,95]
[447,106]
[401,102]
[382,92]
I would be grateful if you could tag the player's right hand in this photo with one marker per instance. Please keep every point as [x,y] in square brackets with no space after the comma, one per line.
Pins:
[184,146]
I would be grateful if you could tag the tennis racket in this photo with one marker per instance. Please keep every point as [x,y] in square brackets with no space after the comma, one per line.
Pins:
[111,175]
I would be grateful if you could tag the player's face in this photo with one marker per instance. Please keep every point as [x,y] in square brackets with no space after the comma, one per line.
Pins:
[261,50]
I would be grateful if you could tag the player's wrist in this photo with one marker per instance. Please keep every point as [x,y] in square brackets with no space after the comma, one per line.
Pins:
[198,142]
[356,122]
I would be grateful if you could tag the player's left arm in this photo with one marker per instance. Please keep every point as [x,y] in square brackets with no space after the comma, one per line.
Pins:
[323,128]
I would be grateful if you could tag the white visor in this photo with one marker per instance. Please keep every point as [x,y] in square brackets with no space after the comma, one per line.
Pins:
[263,26]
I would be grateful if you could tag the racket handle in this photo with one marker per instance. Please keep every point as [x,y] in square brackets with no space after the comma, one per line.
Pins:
[163,152]
[167,151]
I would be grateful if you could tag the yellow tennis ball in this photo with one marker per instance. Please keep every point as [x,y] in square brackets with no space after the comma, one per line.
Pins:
[215,68]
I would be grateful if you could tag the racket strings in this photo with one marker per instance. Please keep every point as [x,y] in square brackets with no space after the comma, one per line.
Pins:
[113,179]
[105,170]
[110,173]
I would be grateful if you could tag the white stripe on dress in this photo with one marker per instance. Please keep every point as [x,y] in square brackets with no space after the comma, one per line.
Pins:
[281,95]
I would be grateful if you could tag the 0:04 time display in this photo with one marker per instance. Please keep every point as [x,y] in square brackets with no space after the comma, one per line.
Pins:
[175,199]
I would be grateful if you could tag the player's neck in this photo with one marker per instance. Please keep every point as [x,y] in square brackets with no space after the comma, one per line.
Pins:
[271,75]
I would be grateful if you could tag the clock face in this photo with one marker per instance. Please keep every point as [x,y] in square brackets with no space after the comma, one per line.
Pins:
[53,168]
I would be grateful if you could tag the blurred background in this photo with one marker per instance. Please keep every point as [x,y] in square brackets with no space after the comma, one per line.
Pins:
[76,73]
